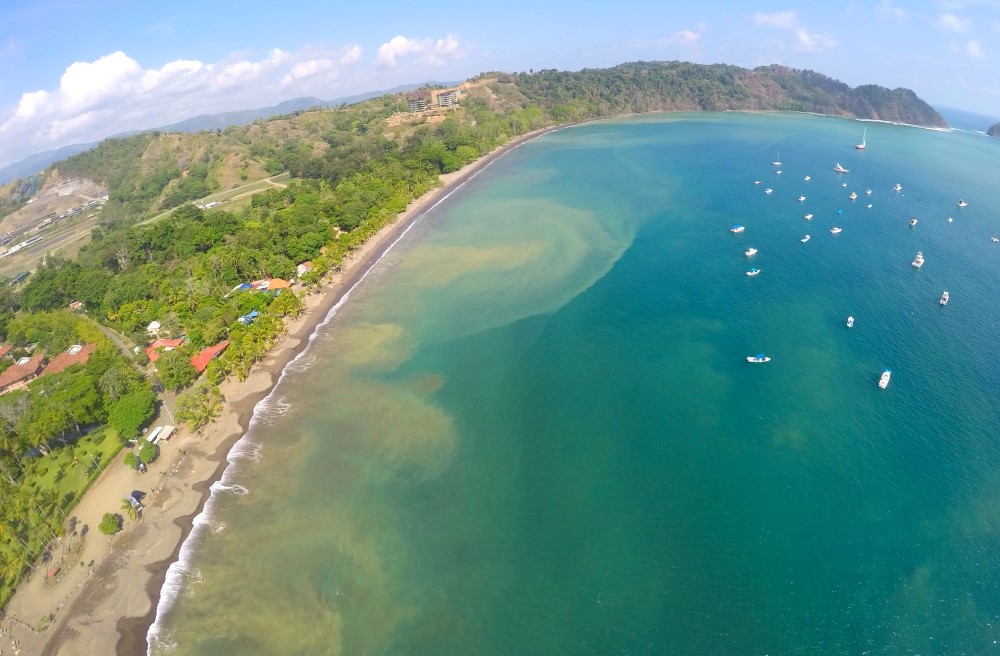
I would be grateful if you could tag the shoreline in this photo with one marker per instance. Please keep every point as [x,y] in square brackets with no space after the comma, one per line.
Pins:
[112,609]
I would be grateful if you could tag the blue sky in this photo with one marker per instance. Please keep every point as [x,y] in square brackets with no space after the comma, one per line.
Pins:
[78,70]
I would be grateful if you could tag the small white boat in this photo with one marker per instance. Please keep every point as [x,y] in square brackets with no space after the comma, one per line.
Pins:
[768,190]
[807,178]
[801,198]
[944,299]
[918,261]
[862,146]
[840,169]
[850,321]
[756,181]
[760,357]
[913,221]
[897,187]
[808,217]
[753,272]
[854,195]
[835,230]
[883,382]
[736,229]
[868,192]
[750,252]
[778,172]
[844,185]
[777,162]
[962,203]
[994,239]
[805,239]
[869,205]
[950,219]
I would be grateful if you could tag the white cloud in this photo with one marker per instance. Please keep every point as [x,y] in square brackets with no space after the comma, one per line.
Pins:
[782,19]
[954,23]
[684,36]
[114,94]
[426,51]
[974,49]
[890,9]
[804,40]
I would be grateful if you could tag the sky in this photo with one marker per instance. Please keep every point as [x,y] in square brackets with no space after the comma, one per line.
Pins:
[76,71]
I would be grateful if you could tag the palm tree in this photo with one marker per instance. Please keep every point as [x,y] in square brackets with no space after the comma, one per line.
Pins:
[130,510]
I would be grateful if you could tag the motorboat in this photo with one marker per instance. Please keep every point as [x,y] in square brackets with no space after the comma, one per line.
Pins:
[801,198]
[835,230]
[808,217]
[944,299]
[862,145]
[840,169]
[844,185]
[918,261]
[950,219]
[994,239]
[854,195]
[869,205]
[736,229]
[962,203]
[753,272]
[756,181]
[883,382]
[778,172]
[868,192]
[807,178]
[805,239]
[750,252]
[850,321]
[760,357]
[913,221]
[768,190]
[897,187]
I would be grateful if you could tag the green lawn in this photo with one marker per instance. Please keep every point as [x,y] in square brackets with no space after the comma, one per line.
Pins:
[68,472]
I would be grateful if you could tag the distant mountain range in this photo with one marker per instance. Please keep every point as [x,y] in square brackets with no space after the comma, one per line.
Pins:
[39,161]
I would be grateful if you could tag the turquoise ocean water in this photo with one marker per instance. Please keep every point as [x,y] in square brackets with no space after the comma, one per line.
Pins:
[532,428]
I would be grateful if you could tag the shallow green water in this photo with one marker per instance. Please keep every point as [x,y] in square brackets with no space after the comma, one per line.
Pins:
[532,428]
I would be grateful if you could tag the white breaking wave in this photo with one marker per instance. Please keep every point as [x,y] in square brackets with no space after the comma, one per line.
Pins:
[176,581]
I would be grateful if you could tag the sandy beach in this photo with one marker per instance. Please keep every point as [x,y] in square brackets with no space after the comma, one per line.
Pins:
[105,597]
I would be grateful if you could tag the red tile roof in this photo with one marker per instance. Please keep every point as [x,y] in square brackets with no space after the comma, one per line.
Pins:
[201,360]
[21,372]
[278,283]
[153,350]
[67,358]
[5,349]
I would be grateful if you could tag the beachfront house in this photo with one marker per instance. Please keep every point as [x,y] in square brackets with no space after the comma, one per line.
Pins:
[76,354]
[17,376]
[153,328]
[201,360]
[304,268]
[248,318]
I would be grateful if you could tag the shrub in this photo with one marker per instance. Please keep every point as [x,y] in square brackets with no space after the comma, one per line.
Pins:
[110,524]
[148,451]
[131,460]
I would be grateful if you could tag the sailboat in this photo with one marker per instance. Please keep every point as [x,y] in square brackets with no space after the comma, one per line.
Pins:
[777,162]
[862,146]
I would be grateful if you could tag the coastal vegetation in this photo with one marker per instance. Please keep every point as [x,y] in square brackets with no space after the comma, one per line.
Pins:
[354,170]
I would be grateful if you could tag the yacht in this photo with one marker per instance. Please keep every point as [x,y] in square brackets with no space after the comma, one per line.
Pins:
[913,221]
[753,272]
[944,299]
[962,203]
[807,178]
[883,382]
[808,217]
[994,239]
[801,198]
[768,190]
[840,169]
[760,357]
[918,261]
[736,229]
[750,252]
[835,230]
[854,195]
[897,187]
[850,321]
[805,239]
[862,146]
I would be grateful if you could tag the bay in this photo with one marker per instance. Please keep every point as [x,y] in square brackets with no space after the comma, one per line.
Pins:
[532,429]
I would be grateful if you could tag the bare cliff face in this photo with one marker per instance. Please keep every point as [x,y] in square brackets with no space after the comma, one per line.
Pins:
[994,130]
